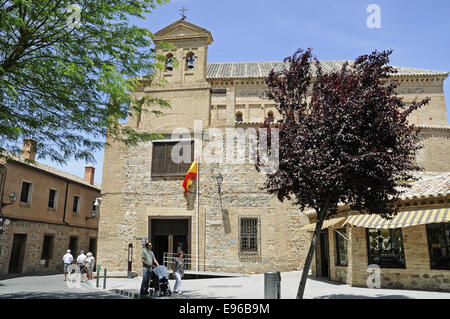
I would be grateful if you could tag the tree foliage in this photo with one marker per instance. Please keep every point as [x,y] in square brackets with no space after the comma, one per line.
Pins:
[66,74]
[344,137]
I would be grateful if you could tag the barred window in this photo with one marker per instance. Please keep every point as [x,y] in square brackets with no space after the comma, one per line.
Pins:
[249,235]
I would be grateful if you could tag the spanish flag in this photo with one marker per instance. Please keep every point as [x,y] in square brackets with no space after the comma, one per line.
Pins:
[191,175]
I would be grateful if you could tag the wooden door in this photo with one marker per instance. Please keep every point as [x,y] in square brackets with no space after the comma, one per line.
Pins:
[17,254]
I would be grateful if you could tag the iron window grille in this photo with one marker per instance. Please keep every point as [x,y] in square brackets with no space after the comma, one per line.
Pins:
[249,238]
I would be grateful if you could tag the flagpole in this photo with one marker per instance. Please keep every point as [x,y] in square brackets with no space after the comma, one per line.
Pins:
[198,209]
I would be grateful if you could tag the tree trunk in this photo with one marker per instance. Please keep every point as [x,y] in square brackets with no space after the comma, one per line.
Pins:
[320,218]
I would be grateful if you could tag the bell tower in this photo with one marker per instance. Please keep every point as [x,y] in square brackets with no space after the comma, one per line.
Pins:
[185,64]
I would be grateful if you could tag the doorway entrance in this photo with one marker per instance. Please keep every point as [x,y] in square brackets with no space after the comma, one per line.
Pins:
[17,254]
[324,254]
[169,235]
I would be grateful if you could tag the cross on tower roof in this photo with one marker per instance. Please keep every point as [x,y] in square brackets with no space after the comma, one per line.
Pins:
[183,10]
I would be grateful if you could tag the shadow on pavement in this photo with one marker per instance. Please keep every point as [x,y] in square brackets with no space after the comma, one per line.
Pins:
[59,295]
[326,280]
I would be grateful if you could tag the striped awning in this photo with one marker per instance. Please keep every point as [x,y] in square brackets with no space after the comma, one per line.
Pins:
[334,222]
[402,219]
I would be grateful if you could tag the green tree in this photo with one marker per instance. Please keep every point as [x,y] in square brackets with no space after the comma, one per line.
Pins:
[67,71]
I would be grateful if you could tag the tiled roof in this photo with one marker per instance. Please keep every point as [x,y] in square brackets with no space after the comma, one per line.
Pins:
[430,184]
[55,171]
[245,70]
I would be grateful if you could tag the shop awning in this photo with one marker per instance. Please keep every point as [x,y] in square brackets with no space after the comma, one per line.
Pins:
[334,222]
[402,219]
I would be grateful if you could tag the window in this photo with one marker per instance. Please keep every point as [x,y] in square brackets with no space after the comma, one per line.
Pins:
[169,63]
[385,248]
[164,165]
[94,209]
[438,244]
[76,204]
[341,247]
[238,117]
[249,237]
[47,247]
[27,190]
[270,117]
[190,61]
[52,198]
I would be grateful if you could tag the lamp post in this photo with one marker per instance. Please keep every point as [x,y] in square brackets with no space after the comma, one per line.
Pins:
[219,179]
[130,260]
[12,199]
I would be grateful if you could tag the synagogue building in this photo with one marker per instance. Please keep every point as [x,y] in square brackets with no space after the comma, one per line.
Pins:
[228,223]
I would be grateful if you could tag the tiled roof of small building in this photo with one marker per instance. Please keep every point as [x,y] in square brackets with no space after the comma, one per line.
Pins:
[248,70]
[53,171]
[430,184]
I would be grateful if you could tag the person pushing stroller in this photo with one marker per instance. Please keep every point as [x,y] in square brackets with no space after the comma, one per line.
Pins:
[148,262]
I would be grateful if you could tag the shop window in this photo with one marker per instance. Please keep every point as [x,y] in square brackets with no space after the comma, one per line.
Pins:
[385,248]
[341,247]
[438,244]
[249,237]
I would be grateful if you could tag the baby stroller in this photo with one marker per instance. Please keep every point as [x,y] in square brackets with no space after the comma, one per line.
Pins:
[159,283]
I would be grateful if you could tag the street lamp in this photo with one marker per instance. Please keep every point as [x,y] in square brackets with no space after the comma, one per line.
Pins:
[219,179]
[12,199]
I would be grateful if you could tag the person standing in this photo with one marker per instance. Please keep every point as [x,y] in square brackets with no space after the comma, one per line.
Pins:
[90,260]
[67,259]
[148,261]
[178,271]
[81,262]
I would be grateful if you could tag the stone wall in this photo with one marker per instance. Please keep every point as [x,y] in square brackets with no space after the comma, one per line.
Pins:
[35,231]
[416,275]
[126,210]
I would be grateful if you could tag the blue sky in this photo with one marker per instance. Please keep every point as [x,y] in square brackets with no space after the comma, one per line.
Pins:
[261,30]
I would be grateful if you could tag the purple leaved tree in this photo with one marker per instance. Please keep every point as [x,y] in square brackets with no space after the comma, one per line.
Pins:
[344,137]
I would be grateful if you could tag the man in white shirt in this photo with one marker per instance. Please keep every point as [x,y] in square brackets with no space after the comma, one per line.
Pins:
[67,259]
[81,261]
